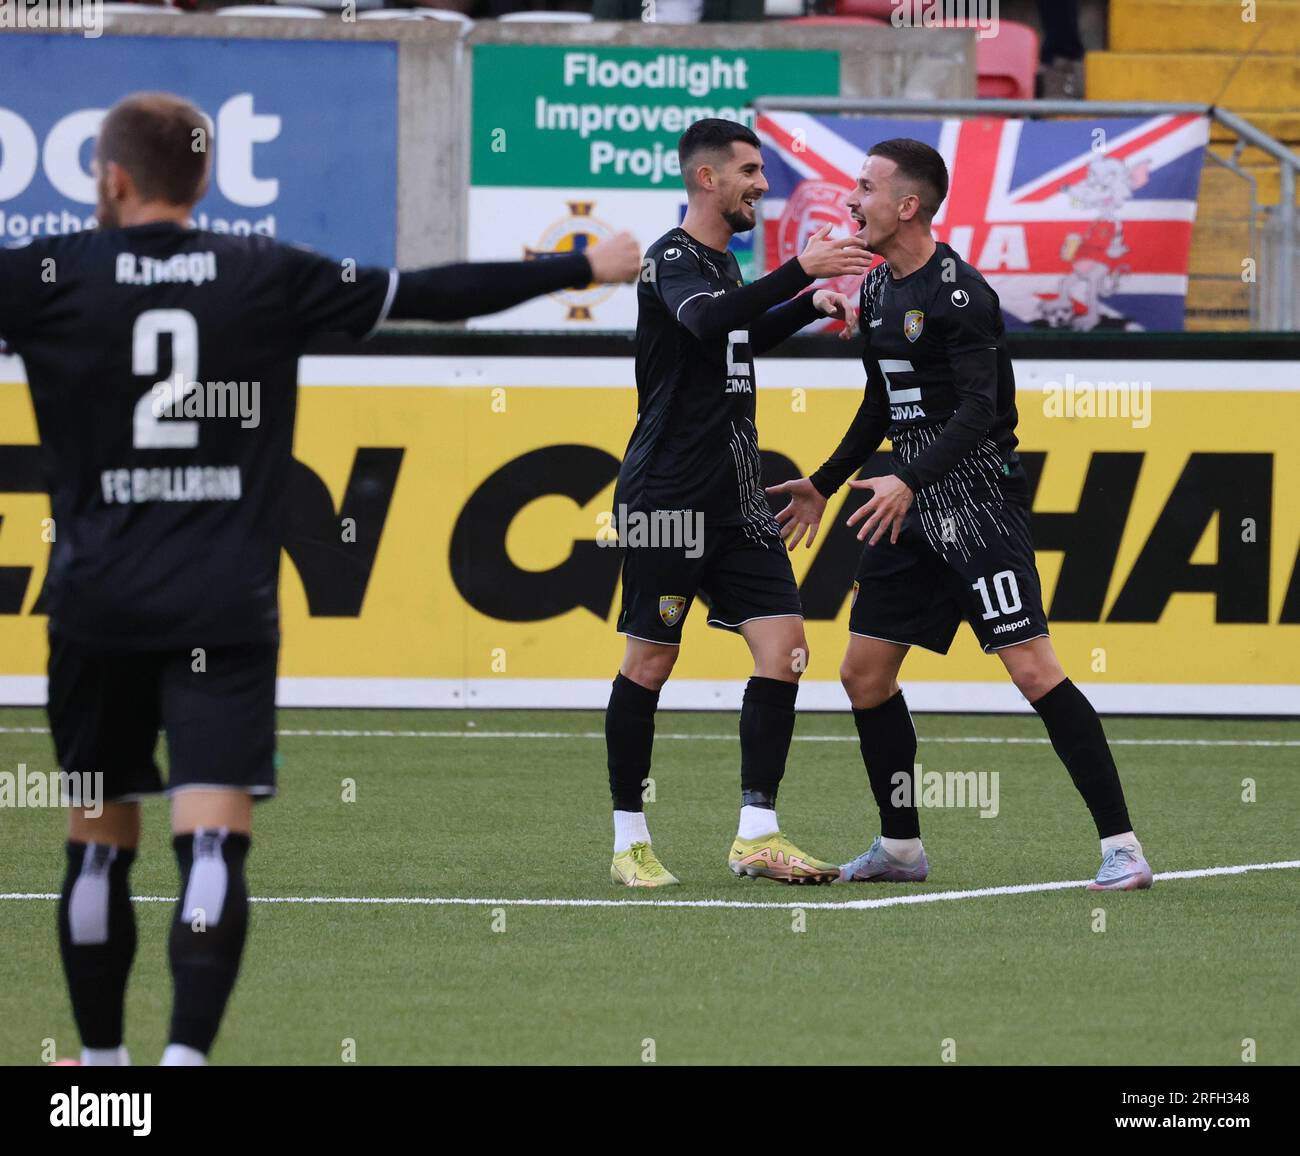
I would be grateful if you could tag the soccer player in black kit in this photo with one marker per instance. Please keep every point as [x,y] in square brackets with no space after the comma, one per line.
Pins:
[691,474]
[947,529]
[169,523]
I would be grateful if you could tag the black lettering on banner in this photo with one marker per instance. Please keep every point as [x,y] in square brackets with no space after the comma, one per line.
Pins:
[481,567]
[1233,486]
[830,577]
[1089,537]
[1291,603]
[335,573]
[20,473]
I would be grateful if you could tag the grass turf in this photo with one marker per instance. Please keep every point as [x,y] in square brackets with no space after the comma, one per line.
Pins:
[1181,975]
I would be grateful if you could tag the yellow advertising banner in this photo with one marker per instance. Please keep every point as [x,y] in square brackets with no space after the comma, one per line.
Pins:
[446,517]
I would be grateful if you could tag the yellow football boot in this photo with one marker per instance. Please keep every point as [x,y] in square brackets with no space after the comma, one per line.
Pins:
[775,857]
[638,867]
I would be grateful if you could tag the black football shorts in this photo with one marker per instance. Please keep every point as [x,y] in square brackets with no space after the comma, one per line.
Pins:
[975,563]
[742,573]
[106,708]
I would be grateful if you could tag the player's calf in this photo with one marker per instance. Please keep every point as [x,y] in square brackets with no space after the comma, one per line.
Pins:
[97,941]
[207,937]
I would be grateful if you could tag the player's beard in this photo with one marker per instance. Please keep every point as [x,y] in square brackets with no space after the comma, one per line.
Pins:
[738,221]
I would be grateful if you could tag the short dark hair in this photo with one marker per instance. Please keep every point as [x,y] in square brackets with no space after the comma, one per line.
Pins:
[920,164]
[163,141]
[711,134]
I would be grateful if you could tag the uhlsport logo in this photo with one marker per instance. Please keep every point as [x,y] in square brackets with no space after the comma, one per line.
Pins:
[670,608]
[913,323]
[574,234]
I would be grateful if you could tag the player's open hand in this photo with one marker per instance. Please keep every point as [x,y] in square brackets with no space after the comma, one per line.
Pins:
[840,307]
[891,498]
[616,259]
[827,256]
[802,515]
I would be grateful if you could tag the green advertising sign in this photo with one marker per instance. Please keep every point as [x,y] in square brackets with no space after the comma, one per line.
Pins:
[597,117]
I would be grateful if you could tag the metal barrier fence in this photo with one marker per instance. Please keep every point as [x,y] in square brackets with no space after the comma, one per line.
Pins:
[1265,291]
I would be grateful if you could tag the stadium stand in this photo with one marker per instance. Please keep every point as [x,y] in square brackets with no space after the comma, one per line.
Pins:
[1006,63]
[1204,50]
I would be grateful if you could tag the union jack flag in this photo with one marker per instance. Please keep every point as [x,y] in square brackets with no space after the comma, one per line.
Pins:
[1077,225]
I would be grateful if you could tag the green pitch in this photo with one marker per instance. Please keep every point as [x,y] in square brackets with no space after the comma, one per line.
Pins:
[1181,974]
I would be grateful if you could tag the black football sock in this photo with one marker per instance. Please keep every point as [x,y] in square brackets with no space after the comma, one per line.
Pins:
[766,728]
[1080,743]
[887,739]
[97,938]
[208,932]
[629,739]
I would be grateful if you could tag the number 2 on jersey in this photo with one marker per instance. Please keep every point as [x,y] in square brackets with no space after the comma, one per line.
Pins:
[151,433]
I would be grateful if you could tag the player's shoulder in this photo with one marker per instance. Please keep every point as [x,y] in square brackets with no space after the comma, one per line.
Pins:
[256,246]
[29,249]
[675,245]
[960,288]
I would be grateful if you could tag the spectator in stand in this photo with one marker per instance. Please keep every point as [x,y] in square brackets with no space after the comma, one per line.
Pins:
[1060,72]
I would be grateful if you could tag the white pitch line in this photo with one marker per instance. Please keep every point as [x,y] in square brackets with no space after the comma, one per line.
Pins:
[475,734]
[847,905]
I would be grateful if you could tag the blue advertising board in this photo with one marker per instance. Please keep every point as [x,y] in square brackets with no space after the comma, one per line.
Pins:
[305,142]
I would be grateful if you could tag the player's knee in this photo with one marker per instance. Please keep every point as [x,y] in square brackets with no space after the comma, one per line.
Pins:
[1035,680]
[651,669]
[1034,674]
[866,687]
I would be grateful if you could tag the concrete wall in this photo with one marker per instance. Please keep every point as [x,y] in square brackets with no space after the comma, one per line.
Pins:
[434,65]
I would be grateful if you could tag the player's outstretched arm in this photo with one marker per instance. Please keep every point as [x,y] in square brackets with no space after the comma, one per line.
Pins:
[690,297]
[786,320]
[472,289]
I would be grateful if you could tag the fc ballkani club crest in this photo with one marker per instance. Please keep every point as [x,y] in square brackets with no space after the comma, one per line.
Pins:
[670,608]
[576,232]
[913,323]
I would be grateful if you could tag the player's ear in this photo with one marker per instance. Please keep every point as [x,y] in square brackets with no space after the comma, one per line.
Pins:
[118,181]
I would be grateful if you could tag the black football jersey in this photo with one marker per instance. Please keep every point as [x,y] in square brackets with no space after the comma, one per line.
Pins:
[695,446]
[940,386]
[163,367]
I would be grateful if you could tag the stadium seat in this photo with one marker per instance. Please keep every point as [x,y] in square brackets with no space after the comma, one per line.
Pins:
[141,9]
[881,10]
[447,14]
[1006,63]
[327,5]
[546,18]
[272,10]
